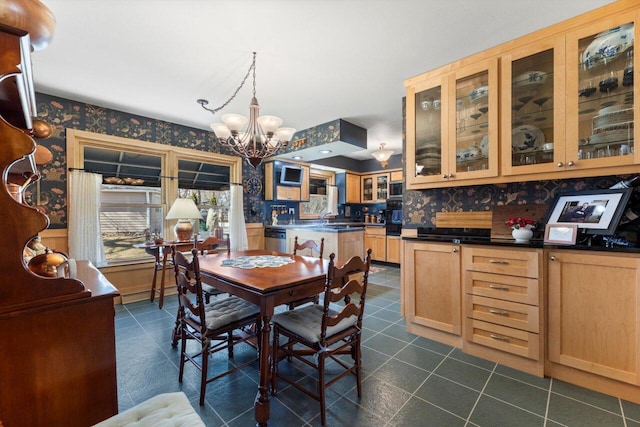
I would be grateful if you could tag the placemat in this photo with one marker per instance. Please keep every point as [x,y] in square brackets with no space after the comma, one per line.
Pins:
[257,261]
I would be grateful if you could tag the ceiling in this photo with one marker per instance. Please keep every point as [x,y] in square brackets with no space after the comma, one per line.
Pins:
[317,60]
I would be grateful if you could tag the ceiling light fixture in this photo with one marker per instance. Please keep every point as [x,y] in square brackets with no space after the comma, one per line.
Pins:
[325,151]
[297,157]
[263,136]
[382,155]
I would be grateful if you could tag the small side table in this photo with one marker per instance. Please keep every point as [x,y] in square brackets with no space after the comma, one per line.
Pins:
[161,252]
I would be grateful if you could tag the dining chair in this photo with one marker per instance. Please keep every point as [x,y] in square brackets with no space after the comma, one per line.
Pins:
[312,246]
[219,325]
[315,333]
[212,245]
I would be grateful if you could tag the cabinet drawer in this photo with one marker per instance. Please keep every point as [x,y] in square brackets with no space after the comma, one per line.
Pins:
[511,288]
[512,262]
[505,313]
[515,341]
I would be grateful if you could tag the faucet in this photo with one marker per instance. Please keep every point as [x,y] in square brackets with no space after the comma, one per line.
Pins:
[323,219]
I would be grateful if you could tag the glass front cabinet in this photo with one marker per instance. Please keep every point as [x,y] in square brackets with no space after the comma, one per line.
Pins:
[601,107]
[562,105]
[452,124]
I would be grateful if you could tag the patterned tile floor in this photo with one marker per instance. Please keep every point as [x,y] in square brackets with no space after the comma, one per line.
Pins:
[408,380]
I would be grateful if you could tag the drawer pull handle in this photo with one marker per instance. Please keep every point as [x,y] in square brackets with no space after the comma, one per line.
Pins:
[497,261]
[499,312]
[499,338]
[499,288]
[290,293]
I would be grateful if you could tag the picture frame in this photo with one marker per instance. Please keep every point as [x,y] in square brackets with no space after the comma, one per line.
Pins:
[561,234]
[592,211]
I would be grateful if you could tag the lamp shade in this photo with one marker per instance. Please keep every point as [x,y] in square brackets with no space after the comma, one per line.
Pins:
[184,209]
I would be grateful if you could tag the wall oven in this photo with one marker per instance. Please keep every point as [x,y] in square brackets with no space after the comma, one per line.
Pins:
[393,216]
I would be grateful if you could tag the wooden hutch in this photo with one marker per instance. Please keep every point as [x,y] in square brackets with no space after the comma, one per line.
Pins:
[57,357]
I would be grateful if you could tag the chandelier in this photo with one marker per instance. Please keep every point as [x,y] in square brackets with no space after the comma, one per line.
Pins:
[263,136]
[382,155]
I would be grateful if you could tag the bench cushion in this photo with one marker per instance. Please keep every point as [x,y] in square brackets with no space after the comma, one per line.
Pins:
[163,410]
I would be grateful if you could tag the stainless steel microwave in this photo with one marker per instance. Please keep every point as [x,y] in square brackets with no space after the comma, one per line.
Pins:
[395,189]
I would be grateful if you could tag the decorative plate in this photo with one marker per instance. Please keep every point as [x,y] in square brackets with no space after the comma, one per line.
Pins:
[479,95]
[608,45]
[253,186]
[529,80]
[526,138]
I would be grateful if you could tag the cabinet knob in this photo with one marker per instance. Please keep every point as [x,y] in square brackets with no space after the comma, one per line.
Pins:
[570,163]
[560,164]
[444,175]
[552,258]
[455,250]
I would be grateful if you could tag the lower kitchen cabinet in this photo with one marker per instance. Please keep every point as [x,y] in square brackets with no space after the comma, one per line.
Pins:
[432,291]
[376,239]
[503,306]
[573,315]
[393,249]
[594,320]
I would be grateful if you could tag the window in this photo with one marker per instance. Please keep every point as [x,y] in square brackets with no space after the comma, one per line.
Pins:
[317,204]
[142,179]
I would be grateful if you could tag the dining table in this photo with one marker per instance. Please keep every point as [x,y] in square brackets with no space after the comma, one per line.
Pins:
[266,286]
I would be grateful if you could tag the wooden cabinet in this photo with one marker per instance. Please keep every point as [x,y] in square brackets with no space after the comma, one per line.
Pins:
[396,176]
[352,188]
[375,188]
[431,291]
[274,191]
[58,351]
[345,244]
[567,107]
[452,125]
[503,306]
[393,249]
[375,238]
[594,318]
[255,236]
[533,98]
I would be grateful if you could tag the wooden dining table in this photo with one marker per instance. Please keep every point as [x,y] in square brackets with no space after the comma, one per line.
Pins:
[266,287]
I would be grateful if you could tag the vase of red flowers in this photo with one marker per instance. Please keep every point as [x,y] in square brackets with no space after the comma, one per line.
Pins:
[521,228]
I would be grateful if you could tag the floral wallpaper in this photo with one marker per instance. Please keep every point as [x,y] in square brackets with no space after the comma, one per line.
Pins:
[62,114]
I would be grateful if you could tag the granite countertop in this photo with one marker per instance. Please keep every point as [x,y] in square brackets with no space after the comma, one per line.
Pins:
[353,226]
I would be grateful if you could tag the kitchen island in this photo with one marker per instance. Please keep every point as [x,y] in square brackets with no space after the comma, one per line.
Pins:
[343,239]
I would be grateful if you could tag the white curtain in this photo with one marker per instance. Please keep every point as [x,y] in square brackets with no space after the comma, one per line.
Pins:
[237,227]
[85,238]
[332,199]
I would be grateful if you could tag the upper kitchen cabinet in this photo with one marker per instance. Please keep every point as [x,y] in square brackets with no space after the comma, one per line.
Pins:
[533,100]
[452,125]
[375,188]
[601,107]
[566,96]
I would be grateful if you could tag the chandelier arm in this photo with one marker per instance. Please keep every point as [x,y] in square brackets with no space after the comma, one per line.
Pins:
[244,80]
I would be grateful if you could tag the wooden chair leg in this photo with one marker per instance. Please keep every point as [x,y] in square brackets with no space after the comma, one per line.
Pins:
[230,345]
[323,415]
[183,349]
[177,330]
[205,369]
[274,361]
[358,362]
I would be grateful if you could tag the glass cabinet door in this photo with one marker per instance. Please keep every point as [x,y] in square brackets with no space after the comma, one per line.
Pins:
[428,132]
[382,187]
[532,131]
[601,95]
[472,123]
[367,189]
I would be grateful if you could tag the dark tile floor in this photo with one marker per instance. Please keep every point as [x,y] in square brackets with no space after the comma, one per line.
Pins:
[408,380]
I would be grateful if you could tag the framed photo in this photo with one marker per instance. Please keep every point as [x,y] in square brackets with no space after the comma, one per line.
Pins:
[561,234]
[592,211]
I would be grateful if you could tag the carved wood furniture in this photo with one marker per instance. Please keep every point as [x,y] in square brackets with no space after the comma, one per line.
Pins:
[58,351]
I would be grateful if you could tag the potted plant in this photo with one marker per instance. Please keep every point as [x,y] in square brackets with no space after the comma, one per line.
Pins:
[521,228]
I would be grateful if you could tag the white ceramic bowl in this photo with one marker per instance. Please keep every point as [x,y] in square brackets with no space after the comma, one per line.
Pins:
[479,94]
[529,80]
[526,138]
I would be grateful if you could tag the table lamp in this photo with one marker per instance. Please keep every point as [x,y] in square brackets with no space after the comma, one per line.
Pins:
[184,210]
